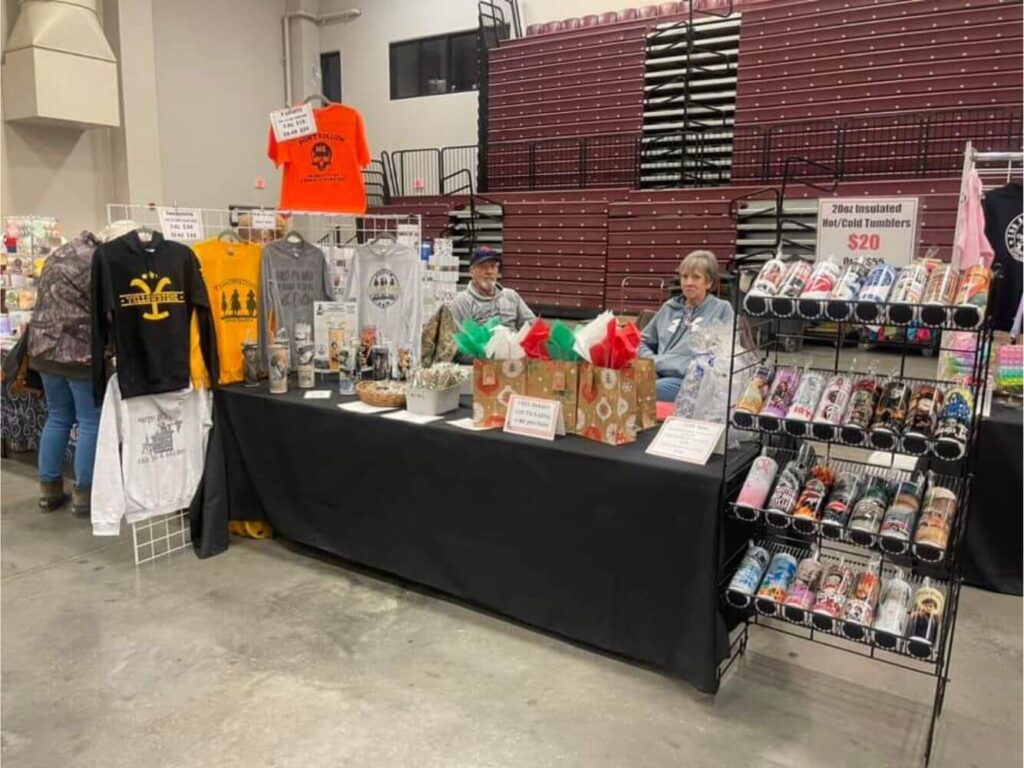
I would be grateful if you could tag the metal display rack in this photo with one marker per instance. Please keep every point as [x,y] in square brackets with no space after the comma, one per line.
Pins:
[847,453]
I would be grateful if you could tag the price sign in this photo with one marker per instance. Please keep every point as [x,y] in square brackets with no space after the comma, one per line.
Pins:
[293,123]
[264,219]
[875,229]
[183,224]
[687,440]
[534,417]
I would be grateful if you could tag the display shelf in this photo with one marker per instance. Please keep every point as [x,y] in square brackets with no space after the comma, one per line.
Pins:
[870,641]
[901,315]
[840,449]
[911,443]
[826,534]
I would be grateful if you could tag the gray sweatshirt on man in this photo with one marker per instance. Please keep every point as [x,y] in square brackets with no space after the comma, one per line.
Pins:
[505,303]
[292,276]
[667,338]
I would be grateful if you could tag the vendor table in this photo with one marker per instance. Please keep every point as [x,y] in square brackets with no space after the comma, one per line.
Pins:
[994,554]
[603,545]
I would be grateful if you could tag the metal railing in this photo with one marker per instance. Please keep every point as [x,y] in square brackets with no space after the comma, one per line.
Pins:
[914,145]
[426,172]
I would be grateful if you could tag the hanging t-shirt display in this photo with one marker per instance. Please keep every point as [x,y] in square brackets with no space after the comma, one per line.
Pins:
[143,297]
[231,272]
[150,453]
[323,171]
[293,274]
[385,279]
[1003,225]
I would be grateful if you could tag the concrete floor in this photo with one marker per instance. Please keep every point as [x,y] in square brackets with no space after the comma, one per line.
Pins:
[265,656]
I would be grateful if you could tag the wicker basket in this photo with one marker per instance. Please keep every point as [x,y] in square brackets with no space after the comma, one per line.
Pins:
[371,394]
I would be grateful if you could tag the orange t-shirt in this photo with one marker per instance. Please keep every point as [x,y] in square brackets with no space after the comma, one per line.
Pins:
[323,171]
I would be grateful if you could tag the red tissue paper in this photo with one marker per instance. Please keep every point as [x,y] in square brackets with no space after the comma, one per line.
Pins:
[535,343]
[618,348]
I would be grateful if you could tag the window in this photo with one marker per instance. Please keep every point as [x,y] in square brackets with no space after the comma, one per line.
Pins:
[330,73]
[434,65]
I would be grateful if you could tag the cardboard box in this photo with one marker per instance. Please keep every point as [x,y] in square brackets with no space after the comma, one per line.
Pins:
[607,404]
[555,380]
[494,382]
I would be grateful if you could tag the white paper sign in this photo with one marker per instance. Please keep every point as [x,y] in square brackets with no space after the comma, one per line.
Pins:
[534,417]
[467,424]
[318,394]
[294,122]
[874,228]
[686,440]
[358,406]
[182,224]
[411,418]
[264,219]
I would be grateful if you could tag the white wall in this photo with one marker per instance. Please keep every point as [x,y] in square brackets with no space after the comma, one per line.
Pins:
[428,121]
[219,74]
[55,171]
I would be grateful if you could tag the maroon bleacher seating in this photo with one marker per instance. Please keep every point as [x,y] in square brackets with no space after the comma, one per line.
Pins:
[552,26]
[572,23]
[628,14]
[648,11]
[610,17]
[591,20]
[667,9]
[534,29]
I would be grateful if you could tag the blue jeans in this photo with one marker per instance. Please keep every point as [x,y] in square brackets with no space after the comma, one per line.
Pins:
[68,401]
[667,389]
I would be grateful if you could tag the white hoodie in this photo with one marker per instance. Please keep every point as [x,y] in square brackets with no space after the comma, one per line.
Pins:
[149,455]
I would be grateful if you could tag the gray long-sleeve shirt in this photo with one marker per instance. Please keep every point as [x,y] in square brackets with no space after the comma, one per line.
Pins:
[505,303]
[667,338]
[292,276]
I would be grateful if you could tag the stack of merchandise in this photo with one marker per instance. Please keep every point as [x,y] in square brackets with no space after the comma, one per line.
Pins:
[927,293]
[27,242]
[858,409]
[441,277]
[861,603]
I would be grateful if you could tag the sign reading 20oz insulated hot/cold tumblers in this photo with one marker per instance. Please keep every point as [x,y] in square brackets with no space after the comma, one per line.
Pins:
[874,229]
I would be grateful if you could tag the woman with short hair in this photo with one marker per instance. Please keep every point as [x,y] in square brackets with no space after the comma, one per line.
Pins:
[668,339]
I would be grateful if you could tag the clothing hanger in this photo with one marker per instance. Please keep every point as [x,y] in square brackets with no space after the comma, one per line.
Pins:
[229,235]
[145,233]
[324,100]
[295,237]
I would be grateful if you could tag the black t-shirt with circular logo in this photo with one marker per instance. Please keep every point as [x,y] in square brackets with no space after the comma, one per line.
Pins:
[1003,228]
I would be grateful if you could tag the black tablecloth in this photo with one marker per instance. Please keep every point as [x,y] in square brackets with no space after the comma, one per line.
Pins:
[604,545]
[994,553]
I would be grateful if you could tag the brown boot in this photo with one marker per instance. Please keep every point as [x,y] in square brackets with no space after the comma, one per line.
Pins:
[51,495]
[80,502]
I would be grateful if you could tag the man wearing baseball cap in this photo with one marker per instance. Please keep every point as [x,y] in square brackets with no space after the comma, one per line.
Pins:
[484,298]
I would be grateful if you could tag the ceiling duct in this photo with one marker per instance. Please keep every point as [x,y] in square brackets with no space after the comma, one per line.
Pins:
[58,66]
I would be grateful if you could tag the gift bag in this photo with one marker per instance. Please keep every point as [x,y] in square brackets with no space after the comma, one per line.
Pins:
[494,382]
[646,394]
[607,404]
[555,380]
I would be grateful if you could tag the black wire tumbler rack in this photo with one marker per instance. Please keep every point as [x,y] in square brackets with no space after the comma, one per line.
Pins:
[767,331]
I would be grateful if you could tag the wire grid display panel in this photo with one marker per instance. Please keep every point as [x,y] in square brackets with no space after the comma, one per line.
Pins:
[163,535]
[323,229]
[160,536]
